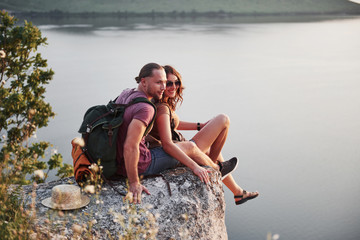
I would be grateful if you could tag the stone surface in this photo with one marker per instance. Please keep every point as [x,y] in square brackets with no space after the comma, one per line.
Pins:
[193,211]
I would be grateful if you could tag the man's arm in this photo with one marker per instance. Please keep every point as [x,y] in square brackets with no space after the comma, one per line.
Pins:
[135,133]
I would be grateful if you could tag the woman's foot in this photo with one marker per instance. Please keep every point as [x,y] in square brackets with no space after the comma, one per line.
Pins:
[244,196]
[227,167]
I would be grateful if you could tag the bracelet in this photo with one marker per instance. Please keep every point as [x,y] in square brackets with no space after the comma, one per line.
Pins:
[198,126]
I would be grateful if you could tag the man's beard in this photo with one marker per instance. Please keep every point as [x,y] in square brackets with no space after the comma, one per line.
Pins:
[154,94]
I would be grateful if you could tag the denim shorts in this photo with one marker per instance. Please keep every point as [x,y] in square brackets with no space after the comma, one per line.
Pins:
[160,161]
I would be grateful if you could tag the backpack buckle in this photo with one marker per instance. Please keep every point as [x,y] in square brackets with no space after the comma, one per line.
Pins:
[110,132]
[88,128]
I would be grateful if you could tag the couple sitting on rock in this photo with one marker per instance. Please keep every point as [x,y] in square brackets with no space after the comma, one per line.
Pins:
[164,148]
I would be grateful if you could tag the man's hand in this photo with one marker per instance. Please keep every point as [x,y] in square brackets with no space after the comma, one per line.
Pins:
[135,190]
[202,173]
[135,133]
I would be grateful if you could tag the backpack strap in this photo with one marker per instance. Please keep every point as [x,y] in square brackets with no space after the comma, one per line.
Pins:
[175,135]
[145,100]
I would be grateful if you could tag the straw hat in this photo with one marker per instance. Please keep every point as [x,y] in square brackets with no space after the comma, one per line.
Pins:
[66,197]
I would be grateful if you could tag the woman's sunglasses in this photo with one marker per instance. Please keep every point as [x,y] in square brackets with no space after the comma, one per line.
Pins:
[170,83]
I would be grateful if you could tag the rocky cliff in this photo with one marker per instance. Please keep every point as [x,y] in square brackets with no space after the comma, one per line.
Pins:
[193,211]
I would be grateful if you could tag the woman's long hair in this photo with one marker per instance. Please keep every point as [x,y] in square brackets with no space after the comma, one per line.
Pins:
[172,102]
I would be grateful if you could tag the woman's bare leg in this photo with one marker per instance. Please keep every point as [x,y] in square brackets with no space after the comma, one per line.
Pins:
[211,138]
[230,183]
[190,149]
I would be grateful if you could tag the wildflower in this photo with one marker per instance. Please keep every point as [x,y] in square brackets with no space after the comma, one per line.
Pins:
[185,216]
[94,167]
[77,228]
[275,237]
[79,141]
[32,112]
[2,54]
[60,213]
[118,218]
[39,174]
[89,189]
[129,196]
[149,206]
[33,236]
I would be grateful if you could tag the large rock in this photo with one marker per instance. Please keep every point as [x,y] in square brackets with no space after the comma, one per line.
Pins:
[193,211]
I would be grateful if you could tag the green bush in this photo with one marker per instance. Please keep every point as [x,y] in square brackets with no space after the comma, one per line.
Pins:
[23,76]
[23,110]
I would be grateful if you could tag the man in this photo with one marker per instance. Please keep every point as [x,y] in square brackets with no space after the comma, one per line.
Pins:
[133,157]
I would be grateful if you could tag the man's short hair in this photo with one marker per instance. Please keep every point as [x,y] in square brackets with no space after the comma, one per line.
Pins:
[147,70]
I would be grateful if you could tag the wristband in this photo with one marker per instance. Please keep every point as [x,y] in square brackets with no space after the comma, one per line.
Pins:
[198,126]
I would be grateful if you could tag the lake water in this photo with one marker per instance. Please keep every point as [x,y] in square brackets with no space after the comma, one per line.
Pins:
[291,88]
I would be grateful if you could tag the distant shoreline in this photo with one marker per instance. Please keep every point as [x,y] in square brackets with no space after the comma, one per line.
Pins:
[56,14]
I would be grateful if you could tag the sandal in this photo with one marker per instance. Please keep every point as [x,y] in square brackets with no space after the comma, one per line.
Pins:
[243,200]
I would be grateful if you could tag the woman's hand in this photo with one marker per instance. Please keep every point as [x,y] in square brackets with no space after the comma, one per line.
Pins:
[202,173]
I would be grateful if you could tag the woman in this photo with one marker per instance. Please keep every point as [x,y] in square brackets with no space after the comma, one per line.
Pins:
[210,139]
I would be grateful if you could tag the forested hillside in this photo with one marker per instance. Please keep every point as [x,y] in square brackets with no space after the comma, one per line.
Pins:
[200,6]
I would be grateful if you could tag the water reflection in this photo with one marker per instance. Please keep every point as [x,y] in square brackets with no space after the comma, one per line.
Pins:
[291,90]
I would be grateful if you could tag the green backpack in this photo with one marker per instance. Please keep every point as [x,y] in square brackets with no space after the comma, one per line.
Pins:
[99,130]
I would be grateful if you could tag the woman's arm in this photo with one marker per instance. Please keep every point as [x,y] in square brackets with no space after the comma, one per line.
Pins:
[163,124]
[190,125]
